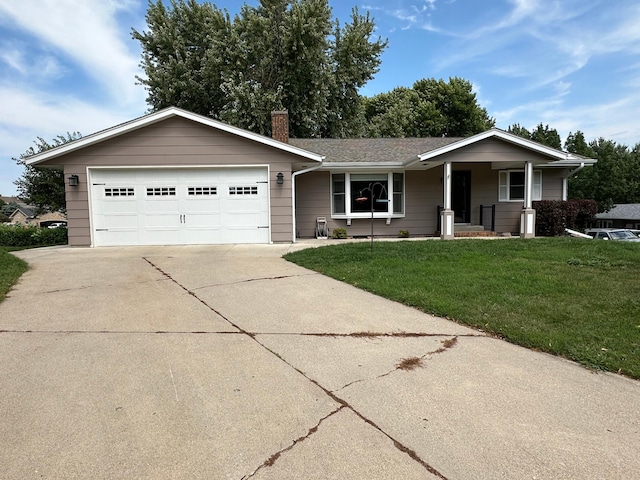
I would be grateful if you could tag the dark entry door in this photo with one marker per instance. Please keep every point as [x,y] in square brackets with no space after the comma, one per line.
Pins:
[461,196]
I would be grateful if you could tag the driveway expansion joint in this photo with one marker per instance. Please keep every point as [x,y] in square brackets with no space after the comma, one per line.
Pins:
[340,401]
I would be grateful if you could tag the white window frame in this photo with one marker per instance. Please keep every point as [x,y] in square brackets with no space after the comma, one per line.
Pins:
[504,186]
[347,196]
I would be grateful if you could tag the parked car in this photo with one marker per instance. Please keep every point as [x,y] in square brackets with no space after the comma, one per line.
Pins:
[57,224]
[618,234]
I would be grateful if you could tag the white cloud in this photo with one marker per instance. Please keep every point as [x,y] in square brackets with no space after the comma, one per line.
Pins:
[33,68]
[615,120]
[37,114]
[86,32]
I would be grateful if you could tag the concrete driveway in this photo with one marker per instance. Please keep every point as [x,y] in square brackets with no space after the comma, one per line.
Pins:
[228,362]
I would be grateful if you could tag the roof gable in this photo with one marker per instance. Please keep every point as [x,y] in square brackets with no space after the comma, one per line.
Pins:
[159,116]
[567,159]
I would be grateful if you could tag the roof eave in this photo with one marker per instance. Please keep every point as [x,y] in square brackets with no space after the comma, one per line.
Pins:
[361,165]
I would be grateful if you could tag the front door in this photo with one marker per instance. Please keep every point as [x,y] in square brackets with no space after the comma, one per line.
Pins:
[461,196]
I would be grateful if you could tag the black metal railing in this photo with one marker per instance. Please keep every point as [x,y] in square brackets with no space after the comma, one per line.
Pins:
[492,209]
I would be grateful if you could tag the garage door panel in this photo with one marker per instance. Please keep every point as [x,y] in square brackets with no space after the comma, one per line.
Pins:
[238,234]
[150,221]
[117,237]
[129,221]
[200,221]
[115,207]
[159,236]
[180,206]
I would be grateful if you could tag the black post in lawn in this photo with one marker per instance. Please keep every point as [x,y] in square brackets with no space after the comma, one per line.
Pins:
[371,188]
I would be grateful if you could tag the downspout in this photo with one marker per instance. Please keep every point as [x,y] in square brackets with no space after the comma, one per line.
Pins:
[293,194]
[565,181]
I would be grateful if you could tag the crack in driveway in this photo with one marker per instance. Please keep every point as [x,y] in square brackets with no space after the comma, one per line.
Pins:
[273,458]
[407,363]
[340,401]
[258,279]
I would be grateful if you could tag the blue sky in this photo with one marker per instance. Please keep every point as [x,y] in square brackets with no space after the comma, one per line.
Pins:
[69,65]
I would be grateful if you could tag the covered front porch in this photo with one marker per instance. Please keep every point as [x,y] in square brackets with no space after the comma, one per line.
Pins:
[460,213]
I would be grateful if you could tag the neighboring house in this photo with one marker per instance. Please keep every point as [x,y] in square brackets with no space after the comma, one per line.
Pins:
[624,215]
[174,177]
[27,215]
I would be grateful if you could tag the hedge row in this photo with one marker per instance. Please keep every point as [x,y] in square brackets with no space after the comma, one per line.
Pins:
[20,236]
[553,216]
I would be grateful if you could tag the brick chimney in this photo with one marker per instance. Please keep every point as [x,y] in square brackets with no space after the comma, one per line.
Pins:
[280,125]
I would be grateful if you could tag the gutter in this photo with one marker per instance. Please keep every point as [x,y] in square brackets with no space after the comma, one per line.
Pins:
[565,184]
[293,194]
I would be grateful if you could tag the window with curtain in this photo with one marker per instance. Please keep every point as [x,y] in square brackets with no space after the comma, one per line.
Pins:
[511,185]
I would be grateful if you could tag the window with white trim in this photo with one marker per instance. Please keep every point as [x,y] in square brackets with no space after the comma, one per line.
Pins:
[198,191]
[119,191]
[511,185]
[243,190]
[161,191]
[352,194]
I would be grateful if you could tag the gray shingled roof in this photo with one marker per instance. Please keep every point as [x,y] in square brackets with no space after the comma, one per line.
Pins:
[361,150]
[28,211]
[624,211]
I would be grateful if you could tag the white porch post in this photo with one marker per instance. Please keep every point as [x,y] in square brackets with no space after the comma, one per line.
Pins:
[446,216]
[528,215]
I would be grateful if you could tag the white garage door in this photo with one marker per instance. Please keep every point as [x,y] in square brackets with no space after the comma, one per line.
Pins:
[179,206]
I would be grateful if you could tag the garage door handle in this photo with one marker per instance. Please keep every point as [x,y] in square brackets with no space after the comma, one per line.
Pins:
[183,219]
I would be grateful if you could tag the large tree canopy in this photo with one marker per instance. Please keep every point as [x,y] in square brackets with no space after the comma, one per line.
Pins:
[43,187]
[432,108]
[542,134]
[282,54]
[614,179]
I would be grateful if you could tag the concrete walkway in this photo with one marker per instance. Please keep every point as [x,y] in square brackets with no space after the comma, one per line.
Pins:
[227,362]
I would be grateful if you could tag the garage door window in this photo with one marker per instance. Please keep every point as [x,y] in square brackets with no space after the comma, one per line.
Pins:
[118,192]
[243,190]
[161,191]
[197,191]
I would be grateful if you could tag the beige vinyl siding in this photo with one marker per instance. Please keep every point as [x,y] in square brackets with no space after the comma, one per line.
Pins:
[492,150]
[423,195]
[78,227]
[177,142]
[313,199]
[552,184]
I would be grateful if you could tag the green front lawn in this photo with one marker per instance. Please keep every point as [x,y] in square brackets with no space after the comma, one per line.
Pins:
[10,270]
[576,298]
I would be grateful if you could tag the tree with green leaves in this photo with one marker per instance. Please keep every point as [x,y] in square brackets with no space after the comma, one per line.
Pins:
[3,216]
[43,187]
[615,178]
[542,134]
[282,54]
[431,108]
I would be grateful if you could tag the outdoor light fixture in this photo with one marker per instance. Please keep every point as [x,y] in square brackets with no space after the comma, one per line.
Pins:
[280,178]
[73,180]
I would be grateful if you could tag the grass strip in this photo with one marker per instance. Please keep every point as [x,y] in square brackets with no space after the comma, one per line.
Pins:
[11,268]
